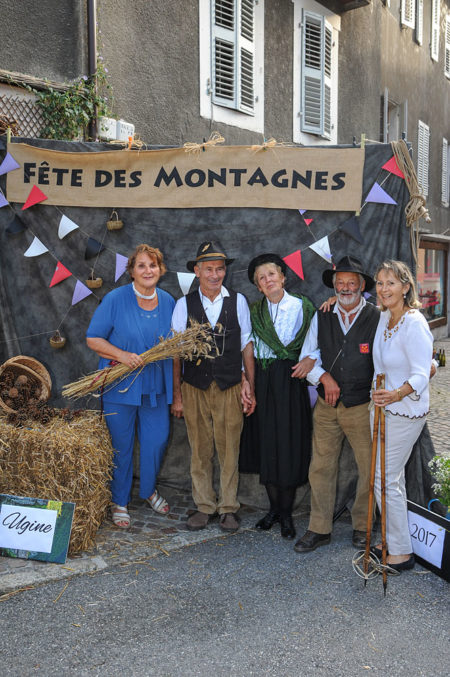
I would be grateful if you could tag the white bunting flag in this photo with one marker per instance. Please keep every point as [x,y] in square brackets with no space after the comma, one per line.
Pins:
[65,227]
[185,281]
[36,248]
[322,247]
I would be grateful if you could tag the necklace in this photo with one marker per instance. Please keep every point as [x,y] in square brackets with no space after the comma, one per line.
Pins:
[388,333]
[142,296]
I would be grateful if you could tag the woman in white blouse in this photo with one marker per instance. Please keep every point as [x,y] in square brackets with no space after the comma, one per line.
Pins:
[402,351]
[276,441]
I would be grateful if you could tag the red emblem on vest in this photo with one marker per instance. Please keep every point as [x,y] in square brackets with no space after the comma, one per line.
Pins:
[364,348]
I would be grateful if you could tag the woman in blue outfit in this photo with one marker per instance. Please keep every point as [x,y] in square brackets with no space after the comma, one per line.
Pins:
[129,321]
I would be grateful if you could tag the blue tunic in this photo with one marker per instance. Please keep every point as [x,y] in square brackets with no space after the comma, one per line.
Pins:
[121,321]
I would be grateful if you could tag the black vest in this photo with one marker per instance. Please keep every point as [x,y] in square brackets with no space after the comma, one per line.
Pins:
[225,368]
[348,358]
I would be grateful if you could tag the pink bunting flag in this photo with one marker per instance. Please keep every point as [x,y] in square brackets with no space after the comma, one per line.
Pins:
[121,266]
[392,166]
[8,164]
[80,292]
[308,221]
[36,195]
[3,200]
[294,261]
[377,194]
[61,273]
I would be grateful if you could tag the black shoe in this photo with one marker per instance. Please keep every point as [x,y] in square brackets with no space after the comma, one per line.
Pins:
[310,541]
[268,521]
[377,552]
[359,539]
[403,566]
[287,527]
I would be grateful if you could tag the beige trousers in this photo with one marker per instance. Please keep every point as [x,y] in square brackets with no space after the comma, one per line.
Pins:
[330,425]
[214,420]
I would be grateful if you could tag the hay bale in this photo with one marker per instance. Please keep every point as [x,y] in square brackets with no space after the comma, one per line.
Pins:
[61,461]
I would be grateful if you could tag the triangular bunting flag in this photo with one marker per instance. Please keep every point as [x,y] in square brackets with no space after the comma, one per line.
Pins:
[312,392]
[80,292]
[185,281]
[294,261]
[65,227]
[60,274]
[36,195]
[15,226]
[308,221]
[8,164]
[121,266]
[379,195]
[392,166]
[3,200]
[322,247]
[302,211]
[36,248]
[93,248]
[351,227]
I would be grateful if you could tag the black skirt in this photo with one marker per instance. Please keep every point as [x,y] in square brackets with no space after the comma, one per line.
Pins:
[276,439]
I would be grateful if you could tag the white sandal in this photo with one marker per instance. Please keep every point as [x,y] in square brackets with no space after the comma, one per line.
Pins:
[120,516]
[158,503]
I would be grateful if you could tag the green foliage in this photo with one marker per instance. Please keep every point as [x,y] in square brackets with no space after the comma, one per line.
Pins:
[67,114]
[440,469]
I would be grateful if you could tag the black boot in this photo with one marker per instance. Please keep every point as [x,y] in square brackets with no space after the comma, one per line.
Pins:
[287,526]
[268,521]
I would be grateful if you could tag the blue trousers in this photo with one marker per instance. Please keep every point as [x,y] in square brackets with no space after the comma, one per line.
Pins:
[152,424]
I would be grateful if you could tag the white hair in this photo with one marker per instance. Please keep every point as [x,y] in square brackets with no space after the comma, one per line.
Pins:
[361,279]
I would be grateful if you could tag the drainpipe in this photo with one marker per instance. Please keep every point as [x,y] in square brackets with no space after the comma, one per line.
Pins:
[92,57]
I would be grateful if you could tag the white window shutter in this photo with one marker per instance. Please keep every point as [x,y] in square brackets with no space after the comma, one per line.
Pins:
[233,54]
[435,26]
[419,22]
[423,153]
[447,46]
[316,75]
[408,13]
[445,177]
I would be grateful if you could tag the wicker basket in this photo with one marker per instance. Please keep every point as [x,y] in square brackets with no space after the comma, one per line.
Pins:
[57,343]
[94,283]
[114,224]
[29,367]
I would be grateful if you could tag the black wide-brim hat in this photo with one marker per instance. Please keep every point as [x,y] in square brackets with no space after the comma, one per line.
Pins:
[261,260]
[348,264]
[209,251]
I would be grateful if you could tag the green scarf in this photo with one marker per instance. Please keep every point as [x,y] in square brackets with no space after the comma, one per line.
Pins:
[263,328]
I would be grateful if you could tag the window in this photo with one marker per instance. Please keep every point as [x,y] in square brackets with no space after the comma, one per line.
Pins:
[394,119]
[419,22]
[231,62]
[423,154]
[445,176]
[435,21]
[315,73]
[447,46]
[432,280]
[408,13]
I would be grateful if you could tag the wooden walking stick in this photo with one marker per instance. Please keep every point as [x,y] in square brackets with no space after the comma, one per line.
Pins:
[372,483]
[383,486]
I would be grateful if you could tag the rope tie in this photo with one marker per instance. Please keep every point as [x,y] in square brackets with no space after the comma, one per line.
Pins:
[214,139]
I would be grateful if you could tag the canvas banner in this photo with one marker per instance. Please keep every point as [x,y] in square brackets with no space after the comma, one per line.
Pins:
[325,179]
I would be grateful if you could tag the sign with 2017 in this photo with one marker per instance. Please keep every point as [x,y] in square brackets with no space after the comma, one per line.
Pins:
[430,539]
[35,528]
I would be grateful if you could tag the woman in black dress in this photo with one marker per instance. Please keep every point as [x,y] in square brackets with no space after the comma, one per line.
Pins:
[276,440]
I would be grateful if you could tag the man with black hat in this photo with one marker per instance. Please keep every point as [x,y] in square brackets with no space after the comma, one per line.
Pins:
[344,375]
[210,394]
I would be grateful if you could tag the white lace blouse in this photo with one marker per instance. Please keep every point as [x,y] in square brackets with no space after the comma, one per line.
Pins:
[404,354]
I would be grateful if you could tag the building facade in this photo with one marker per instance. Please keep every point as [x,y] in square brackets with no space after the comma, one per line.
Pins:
[300,71]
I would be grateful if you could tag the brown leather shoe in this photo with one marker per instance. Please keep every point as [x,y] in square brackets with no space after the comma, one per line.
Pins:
[197,521]
[310,541]
[229,521]
[359,538]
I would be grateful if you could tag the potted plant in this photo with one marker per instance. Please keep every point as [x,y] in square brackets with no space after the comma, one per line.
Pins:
[440,469]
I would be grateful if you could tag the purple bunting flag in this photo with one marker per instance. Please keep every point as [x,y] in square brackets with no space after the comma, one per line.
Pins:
[80,292]
[8,164]
[377,194]
[3,200]
[121,266]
